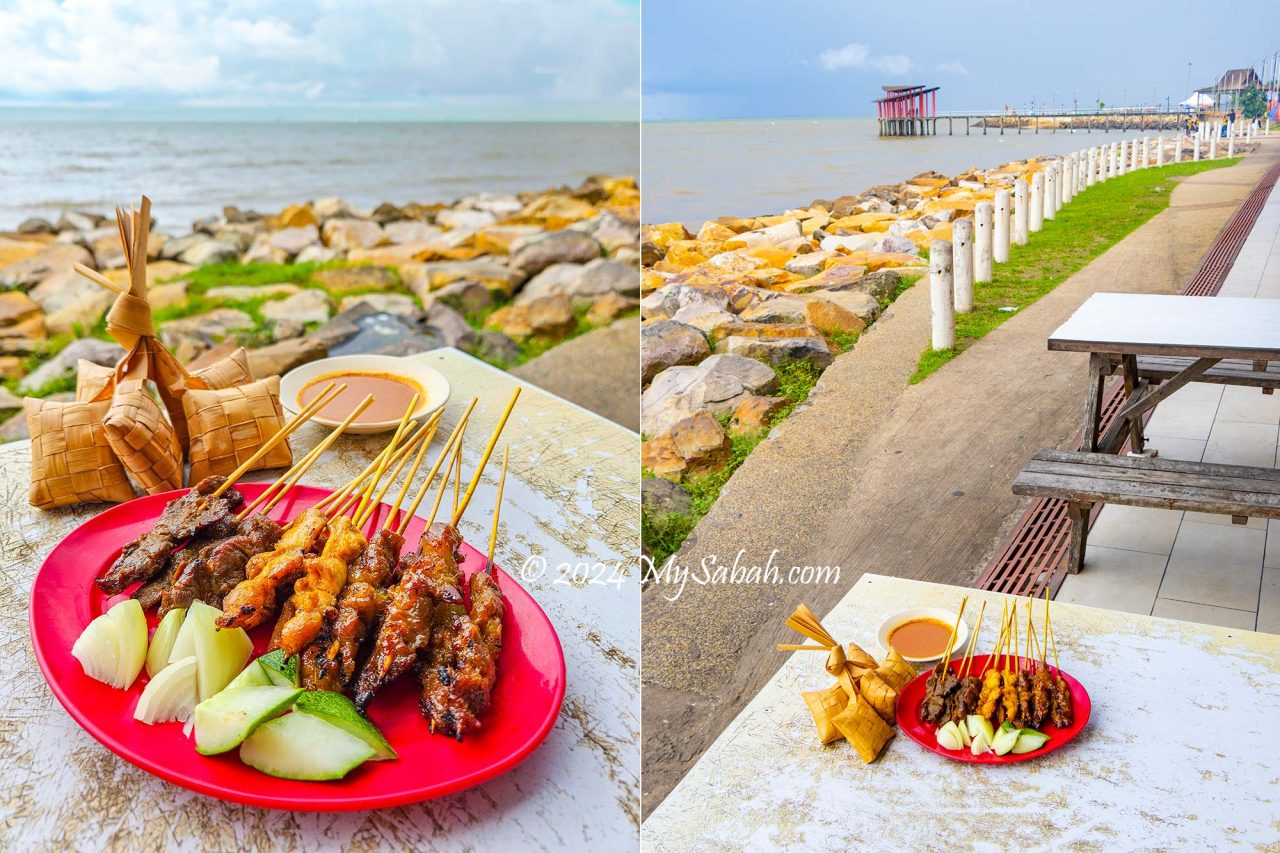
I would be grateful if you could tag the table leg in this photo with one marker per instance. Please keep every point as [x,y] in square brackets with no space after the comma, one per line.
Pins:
[1099,367]
[1132,388]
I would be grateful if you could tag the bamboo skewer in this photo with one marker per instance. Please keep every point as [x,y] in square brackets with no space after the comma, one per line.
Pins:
[394,515]
[395,441]
[484,459]
[455,437]
[955,631]
[497,509]
[973,644]
[1052,640]
[284,432]
[345,499]
[444,484]
[290,478]
[457,481]
[376,500]
[995,651]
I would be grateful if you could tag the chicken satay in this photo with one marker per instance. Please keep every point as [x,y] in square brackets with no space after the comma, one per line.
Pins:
[183,518]
[253,600]
[330,661]
[1041,696]
[1026,706]
[317,590]
[1009,694]
[431,579]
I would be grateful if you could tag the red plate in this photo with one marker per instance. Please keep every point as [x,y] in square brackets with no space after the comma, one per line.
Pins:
[925,734]
[526,700]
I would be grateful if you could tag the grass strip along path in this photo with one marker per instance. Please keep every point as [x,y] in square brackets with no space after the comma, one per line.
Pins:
[1093,222]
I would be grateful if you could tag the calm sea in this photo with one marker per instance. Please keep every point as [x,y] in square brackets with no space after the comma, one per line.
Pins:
[191,169]
[694,171]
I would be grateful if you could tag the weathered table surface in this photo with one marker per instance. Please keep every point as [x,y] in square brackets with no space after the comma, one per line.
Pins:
[571,495]
[1155,324]
[1179,753]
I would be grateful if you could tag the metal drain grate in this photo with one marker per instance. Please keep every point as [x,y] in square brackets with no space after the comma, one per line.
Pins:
[1033,555]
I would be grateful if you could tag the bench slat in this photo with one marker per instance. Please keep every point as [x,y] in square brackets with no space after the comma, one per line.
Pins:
[1225,372]
[1160,496]
[1107,460]
[1171,479]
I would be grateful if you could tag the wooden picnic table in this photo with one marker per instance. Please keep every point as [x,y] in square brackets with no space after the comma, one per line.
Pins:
[1178,753]
[1124,327]
[571,494]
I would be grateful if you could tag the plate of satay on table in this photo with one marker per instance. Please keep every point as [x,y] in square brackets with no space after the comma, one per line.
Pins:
[294,647]
[1006,706]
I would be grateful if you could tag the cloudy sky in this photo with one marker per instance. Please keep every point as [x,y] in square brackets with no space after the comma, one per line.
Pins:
[495,59]
[751,58]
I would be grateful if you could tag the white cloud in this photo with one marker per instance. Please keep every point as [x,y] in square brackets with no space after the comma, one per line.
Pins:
[857,55]
[247,52]
[956,68]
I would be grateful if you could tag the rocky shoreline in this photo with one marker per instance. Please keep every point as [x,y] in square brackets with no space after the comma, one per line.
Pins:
[503,276]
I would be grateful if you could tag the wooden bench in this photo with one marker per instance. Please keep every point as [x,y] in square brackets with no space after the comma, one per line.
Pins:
[1083,479]
[1161,368]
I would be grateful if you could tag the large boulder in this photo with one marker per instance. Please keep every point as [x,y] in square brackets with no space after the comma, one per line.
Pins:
[345,234]
[410,231]
[361,330]
[465,296]
[662,498]
[450,326]
[422,279]
[465,219]
[345,279]
[27,272]
[102,353]
[778,351]
[879,285]
[209,251]
[670,298]
[666,343]
[693,446]
[279,358]
[400,304]
[305,306]
[583,284]
[189,336]
[561,247]
[293,240]
[716,385]
[756,414]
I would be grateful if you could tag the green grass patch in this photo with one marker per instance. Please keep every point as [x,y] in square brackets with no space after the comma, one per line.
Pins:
[1093,222]
[531,348]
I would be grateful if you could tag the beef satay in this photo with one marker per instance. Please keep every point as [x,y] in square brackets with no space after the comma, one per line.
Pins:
[457,675]
[220,566]
[253,600]
[317,590]
[183,518]
[431,579]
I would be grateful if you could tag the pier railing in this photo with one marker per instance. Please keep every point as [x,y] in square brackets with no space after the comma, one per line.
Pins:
[1034,121]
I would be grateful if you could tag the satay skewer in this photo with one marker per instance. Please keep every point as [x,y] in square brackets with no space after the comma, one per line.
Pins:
[290,478]
[955,631]
[394,514]
[350,495]
[444,484]
[423,438]
[323,399]
[484,459]
[395,441]
[357,480]
[454,438]
[497,509]
[967,660]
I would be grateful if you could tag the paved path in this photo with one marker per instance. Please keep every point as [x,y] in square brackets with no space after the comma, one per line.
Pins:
[860,479]
[597,371]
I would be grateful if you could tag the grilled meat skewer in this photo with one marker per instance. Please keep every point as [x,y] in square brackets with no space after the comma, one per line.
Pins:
[1061,714]
[330,661]
[220,565]
[253,600]
[317,590]
[183,518]
[151,593]
[429,580]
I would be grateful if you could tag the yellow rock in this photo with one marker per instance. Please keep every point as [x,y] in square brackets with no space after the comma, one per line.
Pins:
[738,225]
[818,220]
[931,182]
[31,328]
[830,318]
[766,221]
[715,232]
[886,260]
[554,211]
[861,220]
[922,239]
[771,279]
[762,330]
[852,259]
[297,216]
[665,235]
[497,239]
[880,226]
[771,255]
[919,191]
[156,271]
[964,204]
[18,250]
[650,281]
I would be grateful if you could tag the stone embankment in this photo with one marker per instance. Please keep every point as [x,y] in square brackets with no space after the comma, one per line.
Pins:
[505,276]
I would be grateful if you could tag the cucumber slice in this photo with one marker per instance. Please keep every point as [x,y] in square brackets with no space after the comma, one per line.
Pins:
[979,724]
[282,671]
[170,695]
[1005,739]
[1029,740]
[302,746]
[253,675]
[221,653]
[949,736]
[227,718]
[337,710]
[162,642]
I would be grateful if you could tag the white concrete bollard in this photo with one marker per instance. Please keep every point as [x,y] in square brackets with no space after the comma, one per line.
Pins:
[1069,179]
[1123,160]
[1050,191]
[1113,160]
[1159,151]
[1195,153]
[1213,147]
[1000,230]
[941,300]
[1082,178]
[1146,152]
[962,264]
[1020,212]
[1231,147]
[983,240]
[1035,210]
[1177,148]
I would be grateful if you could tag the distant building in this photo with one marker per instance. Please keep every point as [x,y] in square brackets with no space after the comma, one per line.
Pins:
[1231,85]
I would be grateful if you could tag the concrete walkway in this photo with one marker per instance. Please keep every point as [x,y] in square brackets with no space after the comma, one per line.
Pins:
[875,475]
[597,371]
[1189,565]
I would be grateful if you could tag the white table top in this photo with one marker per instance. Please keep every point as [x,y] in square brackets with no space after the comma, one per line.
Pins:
[1179,752]
[1151,324]
[571,494]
